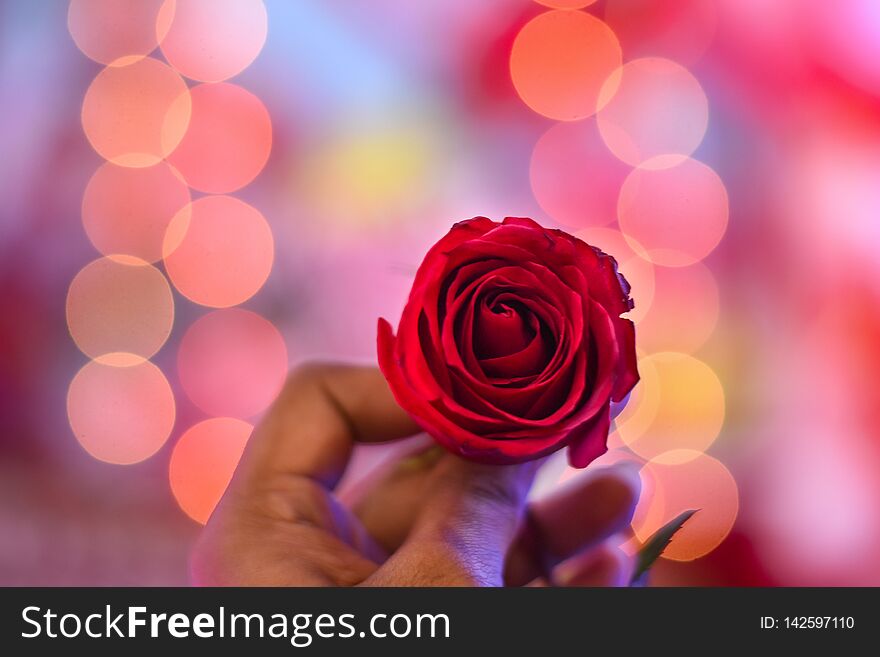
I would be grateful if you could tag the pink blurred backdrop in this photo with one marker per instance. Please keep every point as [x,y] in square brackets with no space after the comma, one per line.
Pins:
[276,169]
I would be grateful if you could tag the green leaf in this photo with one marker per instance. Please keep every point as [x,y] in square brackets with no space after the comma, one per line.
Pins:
[654,546]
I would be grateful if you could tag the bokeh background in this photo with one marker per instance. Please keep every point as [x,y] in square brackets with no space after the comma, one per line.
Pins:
[197,194]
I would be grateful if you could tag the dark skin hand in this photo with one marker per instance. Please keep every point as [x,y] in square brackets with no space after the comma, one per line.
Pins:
[426,519]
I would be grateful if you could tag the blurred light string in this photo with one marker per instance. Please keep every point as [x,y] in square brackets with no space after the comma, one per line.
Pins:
[163,138]
[616,166]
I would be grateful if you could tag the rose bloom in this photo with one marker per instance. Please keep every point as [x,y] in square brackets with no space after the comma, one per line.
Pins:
[511,345]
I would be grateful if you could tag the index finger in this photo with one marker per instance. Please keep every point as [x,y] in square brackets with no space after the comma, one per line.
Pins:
[321,412]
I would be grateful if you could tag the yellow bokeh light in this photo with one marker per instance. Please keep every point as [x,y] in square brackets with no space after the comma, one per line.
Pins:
[678,404]
[368,176]
[121,415]
[118,309]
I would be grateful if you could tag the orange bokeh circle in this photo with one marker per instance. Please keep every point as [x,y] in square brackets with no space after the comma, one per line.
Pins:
[115,31]
[212,40]
[680,480]
[121,415]
[119,309]
[127,211]
[678,213]
[559,61]
[136,114]
[228,139]
[678,404]
[202,464]
[232,362]
[218,251]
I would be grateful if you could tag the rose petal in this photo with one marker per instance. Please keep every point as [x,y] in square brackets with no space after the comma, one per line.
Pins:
[590,441]
[627,368]
[501,329]
[527,361]
[451,436]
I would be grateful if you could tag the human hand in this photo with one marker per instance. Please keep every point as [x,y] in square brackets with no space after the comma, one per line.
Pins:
[428,519]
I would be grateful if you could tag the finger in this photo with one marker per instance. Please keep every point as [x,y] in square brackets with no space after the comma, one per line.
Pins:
[322,410]
[243,546]
[582,513]
[469,516]
[604,566]
[388,500]
[277,520]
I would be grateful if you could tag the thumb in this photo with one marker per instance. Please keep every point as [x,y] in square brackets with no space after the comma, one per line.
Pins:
[468,519]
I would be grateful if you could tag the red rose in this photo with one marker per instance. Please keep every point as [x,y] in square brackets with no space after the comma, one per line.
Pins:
[511,345]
